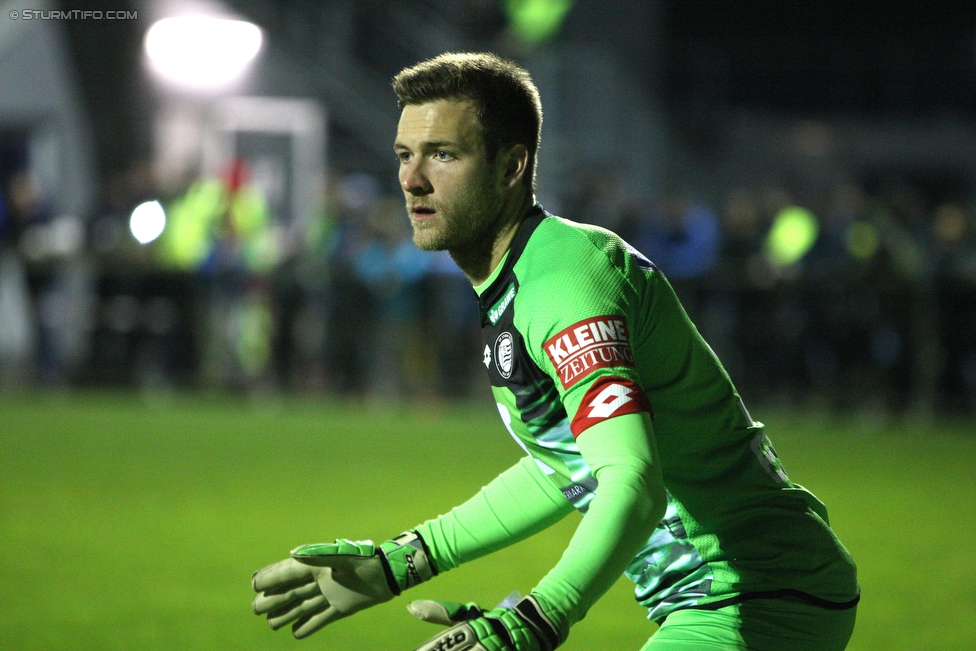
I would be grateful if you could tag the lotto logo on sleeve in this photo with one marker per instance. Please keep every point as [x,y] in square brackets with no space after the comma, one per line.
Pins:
[584,347]
[609,397]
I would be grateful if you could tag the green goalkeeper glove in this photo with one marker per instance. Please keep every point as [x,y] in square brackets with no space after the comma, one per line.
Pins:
[524,627]
[325,582]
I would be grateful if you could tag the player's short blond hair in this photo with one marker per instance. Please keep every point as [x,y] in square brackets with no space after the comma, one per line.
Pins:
[506,99]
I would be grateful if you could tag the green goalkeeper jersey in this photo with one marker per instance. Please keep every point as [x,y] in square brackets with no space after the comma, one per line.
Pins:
[579,327]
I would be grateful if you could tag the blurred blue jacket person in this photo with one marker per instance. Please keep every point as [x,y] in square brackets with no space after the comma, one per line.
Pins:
[685,242]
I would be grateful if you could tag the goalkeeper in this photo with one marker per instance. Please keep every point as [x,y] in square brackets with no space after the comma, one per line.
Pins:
[625,414]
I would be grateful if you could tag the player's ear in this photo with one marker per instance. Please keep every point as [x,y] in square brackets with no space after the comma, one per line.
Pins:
[515,160]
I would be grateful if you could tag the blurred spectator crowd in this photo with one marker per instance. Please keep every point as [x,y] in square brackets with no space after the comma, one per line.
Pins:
[843,297]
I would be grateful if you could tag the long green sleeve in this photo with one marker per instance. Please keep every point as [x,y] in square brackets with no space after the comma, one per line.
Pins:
[629,502]
[518,503]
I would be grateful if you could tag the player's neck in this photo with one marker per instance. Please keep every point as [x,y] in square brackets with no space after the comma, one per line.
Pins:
[481,259]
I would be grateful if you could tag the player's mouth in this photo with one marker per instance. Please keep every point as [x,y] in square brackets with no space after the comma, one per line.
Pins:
[422,213]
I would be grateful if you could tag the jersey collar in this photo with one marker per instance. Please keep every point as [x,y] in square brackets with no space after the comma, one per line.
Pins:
[496,282]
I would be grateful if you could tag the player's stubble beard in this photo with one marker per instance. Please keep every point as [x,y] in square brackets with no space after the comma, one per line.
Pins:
[469,223]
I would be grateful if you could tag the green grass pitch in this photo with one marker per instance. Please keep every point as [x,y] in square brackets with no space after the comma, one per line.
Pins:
[127,524]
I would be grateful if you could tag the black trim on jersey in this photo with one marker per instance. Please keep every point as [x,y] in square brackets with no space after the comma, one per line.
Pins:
[536,396]
[676,526]
[495,291]
[640,259]
[781,594]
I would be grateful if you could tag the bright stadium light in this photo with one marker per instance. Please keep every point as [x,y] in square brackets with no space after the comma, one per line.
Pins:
[147,221]
[202,52]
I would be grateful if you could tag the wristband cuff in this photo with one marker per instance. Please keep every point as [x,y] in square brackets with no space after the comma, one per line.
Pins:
[407,561]
[530,610]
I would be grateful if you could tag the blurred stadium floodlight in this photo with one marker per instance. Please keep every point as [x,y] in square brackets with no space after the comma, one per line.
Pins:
[202,52]
[147,221]
[793,233]
[536,21]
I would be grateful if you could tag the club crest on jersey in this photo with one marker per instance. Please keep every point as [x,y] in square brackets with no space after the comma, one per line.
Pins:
[608,397]
[504,354]
[584,347]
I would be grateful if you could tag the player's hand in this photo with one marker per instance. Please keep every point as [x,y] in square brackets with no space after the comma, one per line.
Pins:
[525,627]
[325,582]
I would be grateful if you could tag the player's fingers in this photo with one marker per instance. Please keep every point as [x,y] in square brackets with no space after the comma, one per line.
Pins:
[293,611]
[435,612]
[265,602]
[281,576]
[313,622]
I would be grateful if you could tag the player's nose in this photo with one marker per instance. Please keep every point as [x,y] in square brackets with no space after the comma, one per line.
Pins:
[413,179]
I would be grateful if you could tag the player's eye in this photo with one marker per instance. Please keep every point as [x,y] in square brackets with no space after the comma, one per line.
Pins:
[403,156]
[442,155]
